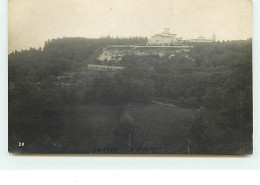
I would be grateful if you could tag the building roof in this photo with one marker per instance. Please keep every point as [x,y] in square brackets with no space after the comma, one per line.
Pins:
[164,35]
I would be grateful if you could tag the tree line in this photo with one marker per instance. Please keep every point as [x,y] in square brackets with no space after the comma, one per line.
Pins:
[42,81]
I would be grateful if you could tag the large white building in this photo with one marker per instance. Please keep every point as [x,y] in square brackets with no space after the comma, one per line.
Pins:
[164,39]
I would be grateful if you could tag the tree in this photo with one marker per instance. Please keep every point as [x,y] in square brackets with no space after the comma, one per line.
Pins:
[198,136]
[213,98]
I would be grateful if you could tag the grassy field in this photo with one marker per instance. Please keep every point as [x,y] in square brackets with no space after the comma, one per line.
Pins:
[162,126]
[159,129]
[89,127]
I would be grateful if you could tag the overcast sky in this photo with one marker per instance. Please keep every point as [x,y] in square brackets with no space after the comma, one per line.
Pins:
[31,22]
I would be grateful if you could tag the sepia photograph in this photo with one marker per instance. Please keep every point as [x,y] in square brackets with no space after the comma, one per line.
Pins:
[130,77]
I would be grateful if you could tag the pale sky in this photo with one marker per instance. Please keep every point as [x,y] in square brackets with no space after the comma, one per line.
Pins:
[31,22]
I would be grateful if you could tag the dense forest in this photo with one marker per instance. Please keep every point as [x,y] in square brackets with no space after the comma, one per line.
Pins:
[48,84]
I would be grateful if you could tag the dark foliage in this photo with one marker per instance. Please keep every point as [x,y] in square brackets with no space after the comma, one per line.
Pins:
[42,81]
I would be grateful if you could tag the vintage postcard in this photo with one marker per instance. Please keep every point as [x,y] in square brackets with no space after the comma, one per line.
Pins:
[130,77]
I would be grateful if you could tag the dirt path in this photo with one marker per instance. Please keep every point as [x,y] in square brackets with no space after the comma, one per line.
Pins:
[165,104]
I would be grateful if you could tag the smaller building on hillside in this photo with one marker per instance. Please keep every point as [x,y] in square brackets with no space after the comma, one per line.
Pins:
[104,67]
[203,39]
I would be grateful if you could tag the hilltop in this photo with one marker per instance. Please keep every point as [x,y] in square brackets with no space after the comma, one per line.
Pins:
[50,86]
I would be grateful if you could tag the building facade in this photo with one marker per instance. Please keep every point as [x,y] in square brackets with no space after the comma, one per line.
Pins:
[203,39]
[164,39]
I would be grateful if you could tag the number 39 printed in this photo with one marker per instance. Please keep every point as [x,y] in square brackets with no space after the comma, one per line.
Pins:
[20,143]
